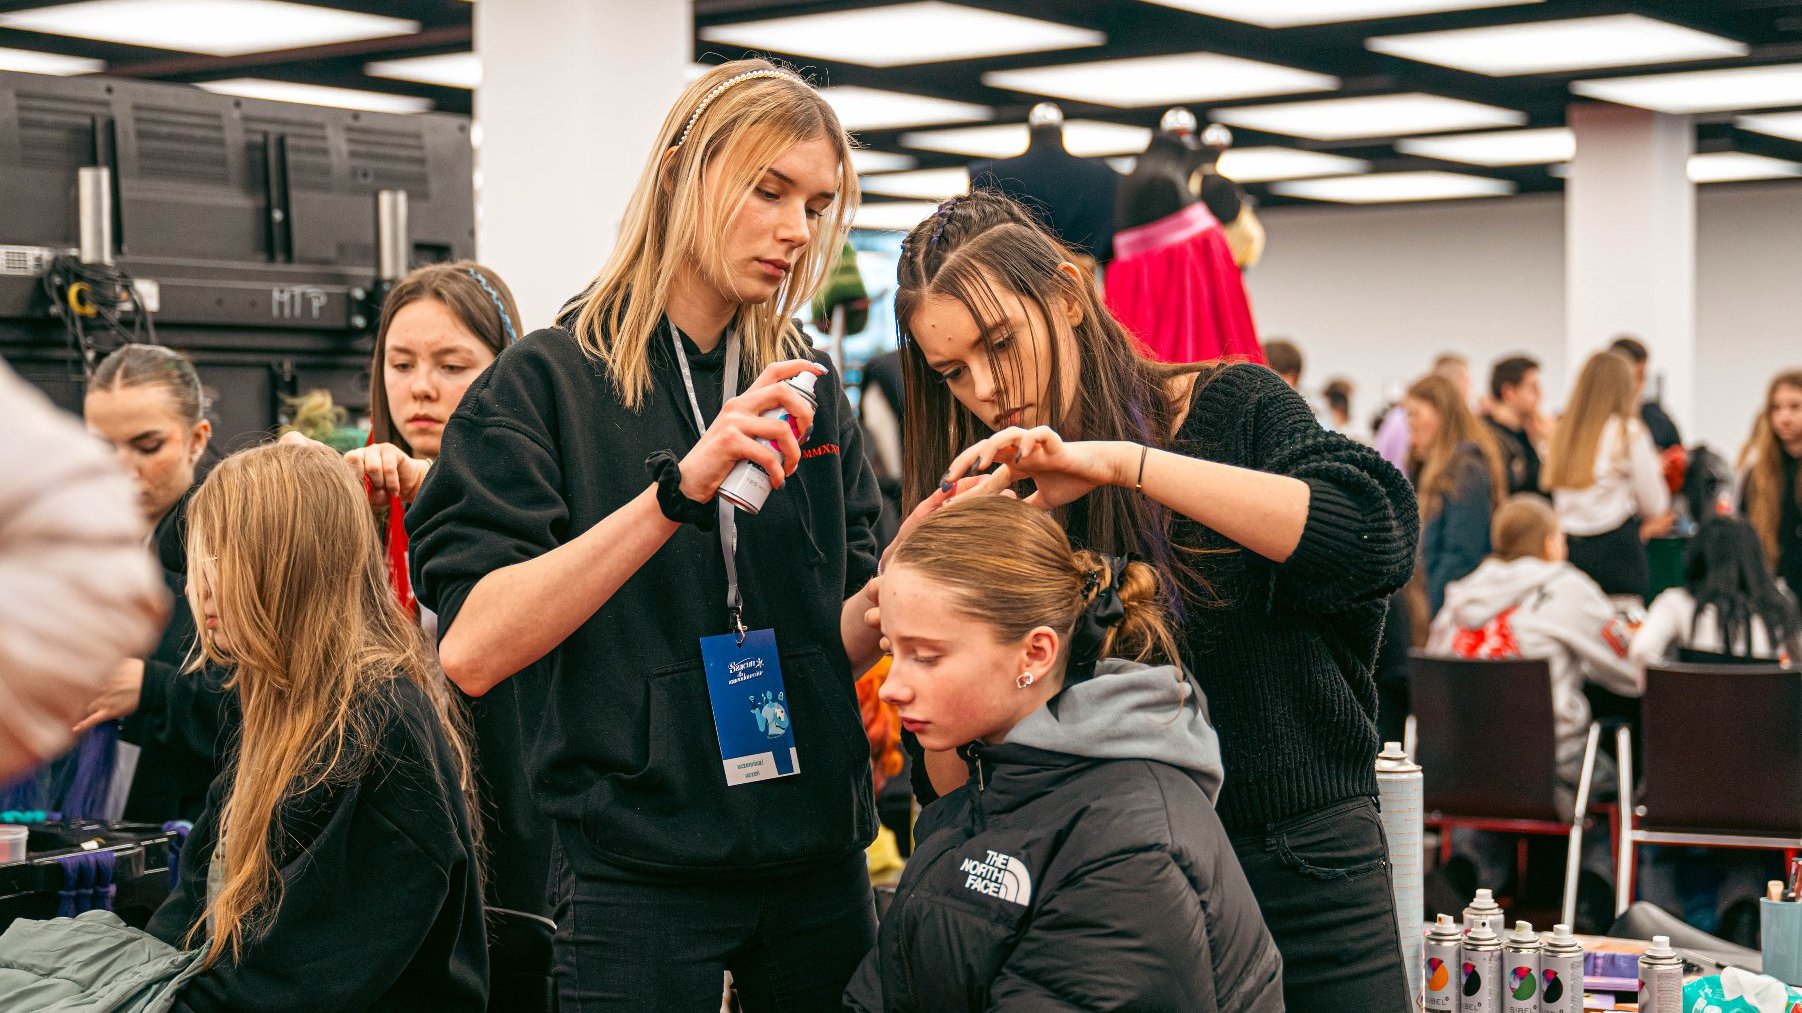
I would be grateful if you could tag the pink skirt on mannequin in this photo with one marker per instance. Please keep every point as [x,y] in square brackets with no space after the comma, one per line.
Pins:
[1174,285]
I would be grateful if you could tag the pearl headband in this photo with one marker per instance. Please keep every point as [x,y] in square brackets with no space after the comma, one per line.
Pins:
[707,99]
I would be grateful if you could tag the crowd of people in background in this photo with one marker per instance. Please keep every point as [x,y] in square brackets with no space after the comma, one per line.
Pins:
[1141,621]
[1541,519]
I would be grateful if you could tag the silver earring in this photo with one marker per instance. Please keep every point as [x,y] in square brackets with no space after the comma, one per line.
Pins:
[1025,679]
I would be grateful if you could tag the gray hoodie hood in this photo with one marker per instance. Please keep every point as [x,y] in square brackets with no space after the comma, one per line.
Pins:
[1130,711]
[1495,586]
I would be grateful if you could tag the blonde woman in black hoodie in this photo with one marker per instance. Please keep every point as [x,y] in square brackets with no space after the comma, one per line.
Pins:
[571,529]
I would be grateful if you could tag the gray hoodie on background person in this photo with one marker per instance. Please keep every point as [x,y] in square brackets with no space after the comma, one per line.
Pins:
[1080,867]
[1558,614]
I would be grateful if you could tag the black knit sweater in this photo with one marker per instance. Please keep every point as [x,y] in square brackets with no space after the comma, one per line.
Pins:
[1286,655]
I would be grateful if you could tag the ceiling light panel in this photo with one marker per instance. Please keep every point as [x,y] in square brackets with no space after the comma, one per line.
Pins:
[1292,13]
[1702,91]
[921,184]
[903,34]
[1497,147]
[213,27]
[1087,138]
[451,70]
[893,216]
[1734,166]
[1342,119]
[864,160]
[1785,125]
[1160,80]
[1550,47]
[31,62]
[874,109]
[1262,165]
[318,95]
[1393,187]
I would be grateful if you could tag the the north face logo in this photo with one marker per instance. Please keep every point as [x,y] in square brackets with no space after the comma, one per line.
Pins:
[998,875]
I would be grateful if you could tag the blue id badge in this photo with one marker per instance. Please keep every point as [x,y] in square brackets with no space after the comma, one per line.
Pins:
[750,707]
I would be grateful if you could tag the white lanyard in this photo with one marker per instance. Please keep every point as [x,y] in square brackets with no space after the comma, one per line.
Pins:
[728,519]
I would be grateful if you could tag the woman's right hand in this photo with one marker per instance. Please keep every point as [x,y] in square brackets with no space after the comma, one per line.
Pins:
[738,432]
[389,472]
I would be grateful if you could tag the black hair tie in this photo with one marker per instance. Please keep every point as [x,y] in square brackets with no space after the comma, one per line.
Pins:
[1103,612]
[666,471]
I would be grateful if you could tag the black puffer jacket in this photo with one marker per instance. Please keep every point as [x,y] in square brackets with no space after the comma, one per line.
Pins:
[1081,868]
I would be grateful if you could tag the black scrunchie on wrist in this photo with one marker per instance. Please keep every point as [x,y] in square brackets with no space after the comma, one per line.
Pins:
[667,472]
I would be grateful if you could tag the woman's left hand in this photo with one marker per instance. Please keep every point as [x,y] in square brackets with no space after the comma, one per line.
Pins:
[1062,471]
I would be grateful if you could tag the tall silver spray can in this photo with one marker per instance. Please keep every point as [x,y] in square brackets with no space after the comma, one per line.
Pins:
[1398,793]
[1483,910]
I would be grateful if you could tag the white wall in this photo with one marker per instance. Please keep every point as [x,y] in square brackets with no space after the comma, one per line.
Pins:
[1374,294]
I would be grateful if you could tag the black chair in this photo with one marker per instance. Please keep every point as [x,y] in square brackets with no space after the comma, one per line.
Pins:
[1487,747]
[1723,763]
[521,966]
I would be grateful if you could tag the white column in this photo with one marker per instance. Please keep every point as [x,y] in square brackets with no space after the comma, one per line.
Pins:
[1630,244]
[572,94]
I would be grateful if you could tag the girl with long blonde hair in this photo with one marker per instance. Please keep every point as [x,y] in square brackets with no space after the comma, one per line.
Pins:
[1457,471]
[573,532]
[335,865]
[1772,498]
[1605,478]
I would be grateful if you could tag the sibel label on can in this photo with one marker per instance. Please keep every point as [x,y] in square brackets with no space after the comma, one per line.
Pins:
[1520,957]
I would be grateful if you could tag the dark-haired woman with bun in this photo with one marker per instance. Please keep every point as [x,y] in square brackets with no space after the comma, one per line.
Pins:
[1276,541]
[1080,865]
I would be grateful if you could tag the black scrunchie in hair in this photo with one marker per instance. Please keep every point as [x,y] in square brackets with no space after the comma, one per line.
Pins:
[1101,615]
[667,472]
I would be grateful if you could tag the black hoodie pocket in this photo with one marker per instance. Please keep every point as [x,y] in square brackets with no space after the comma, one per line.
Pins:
[677,812]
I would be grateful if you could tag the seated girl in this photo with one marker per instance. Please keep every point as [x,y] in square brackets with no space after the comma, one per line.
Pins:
[335,865]
[1082,865]
[1729,607]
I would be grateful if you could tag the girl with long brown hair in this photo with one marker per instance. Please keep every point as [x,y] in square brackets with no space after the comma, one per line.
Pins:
[1093,773]
[573,531]
[1605,479]
[1457,472]
[335,865]
[1772,497]
[1275,541]
[441,326]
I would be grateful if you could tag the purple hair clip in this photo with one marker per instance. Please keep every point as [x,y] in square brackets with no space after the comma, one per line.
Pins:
[943,215]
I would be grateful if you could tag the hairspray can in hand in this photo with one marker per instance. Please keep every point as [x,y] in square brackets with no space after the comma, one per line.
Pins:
[1480,982]
[1443,940]
[1561,973]
[747,485]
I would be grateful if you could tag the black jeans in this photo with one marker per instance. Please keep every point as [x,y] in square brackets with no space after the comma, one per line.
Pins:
[630,942]
[1322,882]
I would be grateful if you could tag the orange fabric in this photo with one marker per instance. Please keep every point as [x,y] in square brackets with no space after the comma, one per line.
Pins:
[881,724]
